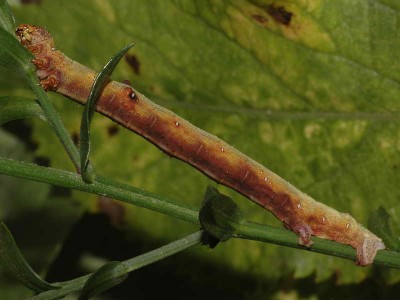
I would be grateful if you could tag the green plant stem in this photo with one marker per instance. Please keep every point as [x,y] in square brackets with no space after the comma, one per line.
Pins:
[123,192]
[132,264]
[54,119]
[102,186]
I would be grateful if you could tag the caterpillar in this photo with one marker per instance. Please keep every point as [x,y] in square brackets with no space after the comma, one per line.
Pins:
[205,152]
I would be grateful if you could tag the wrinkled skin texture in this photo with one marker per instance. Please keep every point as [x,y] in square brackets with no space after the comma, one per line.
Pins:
[212,156]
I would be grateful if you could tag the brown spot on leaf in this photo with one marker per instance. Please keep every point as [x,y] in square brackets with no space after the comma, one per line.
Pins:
[132,60]
[75,138]
[260,19]
[279,14]
[112,130]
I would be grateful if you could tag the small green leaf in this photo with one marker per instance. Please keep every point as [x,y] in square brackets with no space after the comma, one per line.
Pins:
[219,215]
[12,261]
[106,277]
[209,240]
[14,108]
[98,85]
[12,54]
[379,224]
[7,20]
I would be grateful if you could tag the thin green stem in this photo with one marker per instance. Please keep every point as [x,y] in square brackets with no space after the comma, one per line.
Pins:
[132,195]
[54,119]
[102,186]
[132,264]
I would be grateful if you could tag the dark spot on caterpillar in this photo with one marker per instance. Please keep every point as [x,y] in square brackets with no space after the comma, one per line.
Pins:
[75,138]
[312,219]
[260,19]
[279,14]
[132,60]
[127,82]
[112,130]
[282,205]
[132,95]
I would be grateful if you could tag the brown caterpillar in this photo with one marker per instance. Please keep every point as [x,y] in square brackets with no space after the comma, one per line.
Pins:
[207,153]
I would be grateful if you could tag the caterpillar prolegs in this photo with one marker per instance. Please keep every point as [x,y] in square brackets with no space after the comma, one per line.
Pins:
[207,153]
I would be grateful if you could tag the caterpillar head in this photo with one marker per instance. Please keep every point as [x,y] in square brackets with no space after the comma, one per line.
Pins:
[40,43]
[31,36]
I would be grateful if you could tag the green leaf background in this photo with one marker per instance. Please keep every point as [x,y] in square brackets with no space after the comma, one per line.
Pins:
[315,100]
